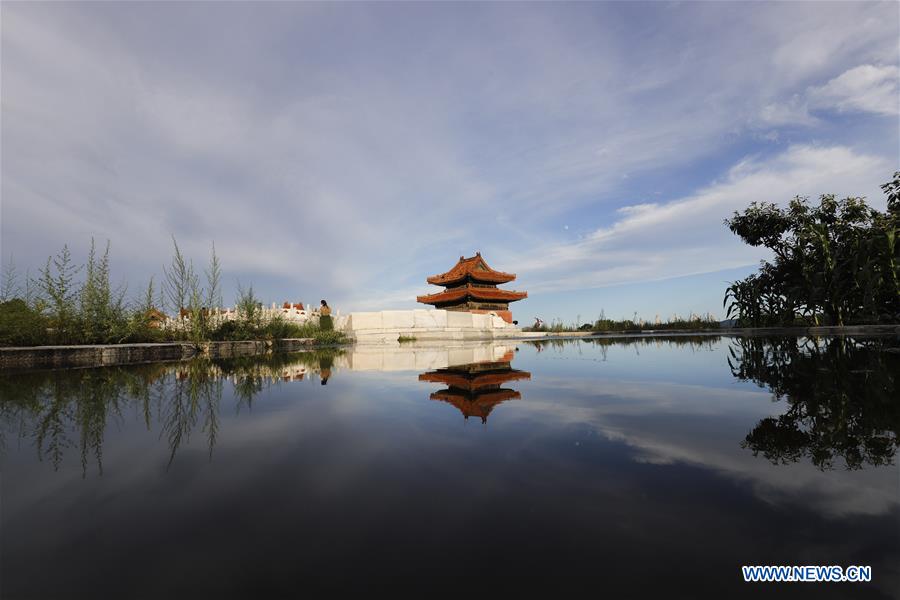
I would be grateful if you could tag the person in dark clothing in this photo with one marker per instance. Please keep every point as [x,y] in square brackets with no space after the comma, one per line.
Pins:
[325,365]
[325,321]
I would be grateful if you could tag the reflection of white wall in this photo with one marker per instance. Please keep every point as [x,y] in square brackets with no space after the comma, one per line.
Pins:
[386,326]
[419,357]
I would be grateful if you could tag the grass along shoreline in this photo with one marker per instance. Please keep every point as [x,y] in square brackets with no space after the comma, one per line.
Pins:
[635,325]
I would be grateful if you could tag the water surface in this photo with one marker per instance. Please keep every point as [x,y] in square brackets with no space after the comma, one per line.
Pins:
[635,468]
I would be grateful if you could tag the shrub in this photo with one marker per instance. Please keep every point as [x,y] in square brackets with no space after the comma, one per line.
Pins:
[21,325]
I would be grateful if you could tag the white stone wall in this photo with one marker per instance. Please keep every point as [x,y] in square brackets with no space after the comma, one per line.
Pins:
[416,357]
[388,325]
[292,315]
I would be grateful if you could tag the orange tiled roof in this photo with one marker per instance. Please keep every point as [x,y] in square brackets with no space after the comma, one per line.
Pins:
[476,405]
[474,267]
[459,380]
[468,290]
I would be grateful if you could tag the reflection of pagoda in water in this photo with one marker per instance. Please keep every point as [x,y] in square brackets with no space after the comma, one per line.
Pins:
[475,388]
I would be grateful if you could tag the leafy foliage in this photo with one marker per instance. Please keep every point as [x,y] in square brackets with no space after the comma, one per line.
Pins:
[835,263]
[20,324]
[841,395]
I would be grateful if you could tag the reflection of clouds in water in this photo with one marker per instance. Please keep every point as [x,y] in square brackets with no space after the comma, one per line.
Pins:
[669,423]
[664,423]
[135,458]
[308,478]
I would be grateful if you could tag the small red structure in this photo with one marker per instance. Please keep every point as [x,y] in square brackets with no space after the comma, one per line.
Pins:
[471,286]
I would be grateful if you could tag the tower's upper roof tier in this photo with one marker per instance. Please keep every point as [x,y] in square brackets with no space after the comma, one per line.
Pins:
[475,268]
[463,292]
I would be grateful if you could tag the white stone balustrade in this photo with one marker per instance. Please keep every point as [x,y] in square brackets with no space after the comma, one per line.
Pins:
[389,325]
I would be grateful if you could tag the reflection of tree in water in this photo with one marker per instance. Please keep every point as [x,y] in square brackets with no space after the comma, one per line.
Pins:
[65,409]
[841,394]
[196,393]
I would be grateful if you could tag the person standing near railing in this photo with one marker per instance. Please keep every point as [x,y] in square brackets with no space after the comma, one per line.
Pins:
[325,322]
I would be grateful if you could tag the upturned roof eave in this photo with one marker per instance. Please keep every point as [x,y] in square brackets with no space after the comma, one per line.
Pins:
[464,267]
[483,276]
[475,293]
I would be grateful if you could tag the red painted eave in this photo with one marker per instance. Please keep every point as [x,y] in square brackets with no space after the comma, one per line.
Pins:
[473,292]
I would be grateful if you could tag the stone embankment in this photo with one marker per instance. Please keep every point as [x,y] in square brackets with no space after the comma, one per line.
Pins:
[38,357]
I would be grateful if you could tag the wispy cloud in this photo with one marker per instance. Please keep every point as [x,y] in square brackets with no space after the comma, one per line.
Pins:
[686,236]
[866,88]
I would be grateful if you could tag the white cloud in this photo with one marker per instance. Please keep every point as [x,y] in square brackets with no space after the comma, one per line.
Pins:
[866,88]
[687,236]
[792,112]
[638,209]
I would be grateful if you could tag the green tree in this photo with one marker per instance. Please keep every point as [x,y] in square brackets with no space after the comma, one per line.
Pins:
[9,286]
[214,281]
[102,309]
[838,259]
[57,286]
[178,277]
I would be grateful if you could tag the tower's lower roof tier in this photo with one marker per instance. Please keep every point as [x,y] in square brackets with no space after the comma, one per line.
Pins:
[476,382]
[468,291]
[476,404]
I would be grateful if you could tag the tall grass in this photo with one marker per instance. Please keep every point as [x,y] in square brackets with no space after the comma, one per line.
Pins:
[636,324]
[68,303]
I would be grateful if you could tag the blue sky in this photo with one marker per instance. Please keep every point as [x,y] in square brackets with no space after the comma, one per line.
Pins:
[347,151]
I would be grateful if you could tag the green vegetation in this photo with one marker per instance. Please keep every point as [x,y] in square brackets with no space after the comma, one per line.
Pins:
[20,324]
[406,338]
[72,410]
[676,323]
[695,342]
[837,263]
[841,395]
[77,304]
[635,325]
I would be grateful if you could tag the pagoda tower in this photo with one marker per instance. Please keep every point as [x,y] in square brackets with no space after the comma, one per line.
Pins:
[471,286]
[475,389]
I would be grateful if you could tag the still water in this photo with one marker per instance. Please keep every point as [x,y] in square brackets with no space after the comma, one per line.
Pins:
[635,467]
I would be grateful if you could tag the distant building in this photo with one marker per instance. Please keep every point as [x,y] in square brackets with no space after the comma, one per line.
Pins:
[471,286]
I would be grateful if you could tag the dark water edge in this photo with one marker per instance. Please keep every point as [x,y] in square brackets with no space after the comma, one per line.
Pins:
[639,467]
[28,358]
